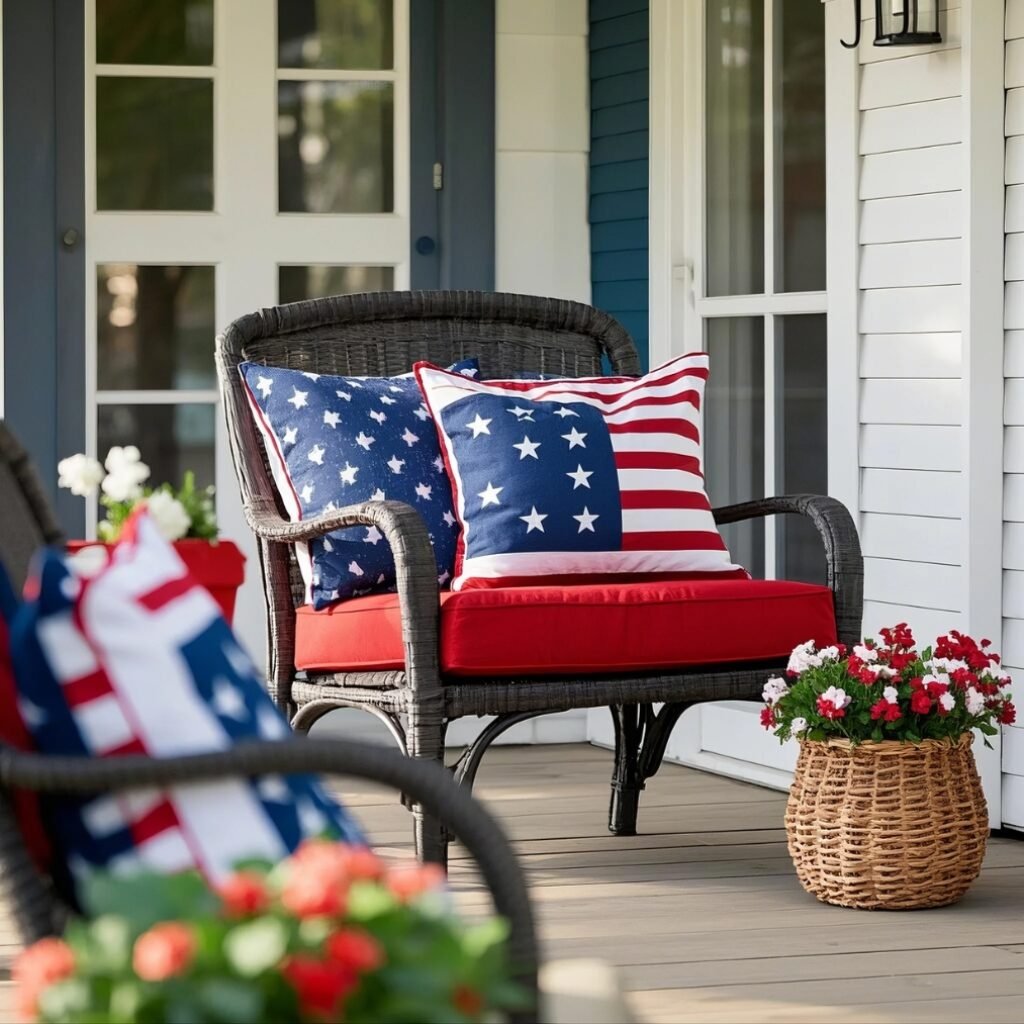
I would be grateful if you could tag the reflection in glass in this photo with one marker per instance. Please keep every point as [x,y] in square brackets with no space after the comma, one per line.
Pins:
[155,327]
[154,143]
[335,145]
[800,146]
[735,147]
[801,435]
[348,34]
[154,32]
[734,429]
[314,282]
[172,438]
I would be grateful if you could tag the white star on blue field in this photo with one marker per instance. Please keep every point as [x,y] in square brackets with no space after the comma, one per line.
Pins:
[345,441]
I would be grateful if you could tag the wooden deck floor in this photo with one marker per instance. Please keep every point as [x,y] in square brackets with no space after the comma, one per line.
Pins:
[703,915]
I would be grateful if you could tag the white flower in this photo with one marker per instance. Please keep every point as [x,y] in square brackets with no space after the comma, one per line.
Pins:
[80,474]
[946,665]
[865,653]
[975,701]
[803,658]
[829,654]
[774,690]
[884,672]
[798,725]
[169,515]
[126,474]
[947,700]
[936,677]
[891,695]
[836,696]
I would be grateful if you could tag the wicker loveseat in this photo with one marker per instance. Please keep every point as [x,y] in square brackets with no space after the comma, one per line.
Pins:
[385,334]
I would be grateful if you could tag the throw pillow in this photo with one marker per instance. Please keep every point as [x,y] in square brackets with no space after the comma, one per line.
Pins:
[578,477]
[337,441]
[138,660]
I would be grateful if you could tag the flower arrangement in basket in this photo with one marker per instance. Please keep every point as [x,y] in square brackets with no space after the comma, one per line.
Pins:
[186,511]
[886,808]
[330,934]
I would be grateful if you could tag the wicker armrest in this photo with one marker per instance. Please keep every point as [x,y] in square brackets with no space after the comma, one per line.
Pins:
[838,533]
[425,782]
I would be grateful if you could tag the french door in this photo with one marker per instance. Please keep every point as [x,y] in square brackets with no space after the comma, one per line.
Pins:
[238,152]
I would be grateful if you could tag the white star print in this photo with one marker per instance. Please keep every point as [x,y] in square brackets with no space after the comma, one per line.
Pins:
[387,400]
[396,464]
[328,546]
[353,567]
[264,385]
[479,426]
[378,495]
[520,413]
[449,518]
[562,411]
[535,520]
[581,478]
[298,398]
[344,395]
[586,520]
[311,376]
[291,435]
[421,413]
[439,464]
[575,439]
[396,388]
[348,474]
[490,495]
[380,417]
[444,578]
[364,440]
[373,535]
[316,454]
[306,493]
[353,384]
[332,419]
[410,438]
[228,701]
[527,448]
[424,491]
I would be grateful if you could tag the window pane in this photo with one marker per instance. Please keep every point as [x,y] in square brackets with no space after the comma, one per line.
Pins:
[352,34]
[155,327]
[800,146]
[314,282]
[154,143]
[172,438]
[154,31]
[735,147]
[734,429]
[801,439]
[335,147]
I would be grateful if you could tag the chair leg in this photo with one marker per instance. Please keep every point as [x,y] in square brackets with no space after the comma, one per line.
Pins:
[426,741]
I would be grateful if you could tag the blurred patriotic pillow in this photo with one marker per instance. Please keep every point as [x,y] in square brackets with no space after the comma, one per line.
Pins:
[578,477]
[138,660]
[336,441]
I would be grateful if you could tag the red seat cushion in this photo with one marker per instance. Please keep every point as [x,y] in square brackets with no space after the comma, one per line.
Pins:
[591,628]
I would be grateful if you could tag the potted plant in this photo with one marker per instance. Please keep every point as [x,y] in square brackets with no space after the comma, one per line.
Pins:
[184,515]
[329,934]
[886,808]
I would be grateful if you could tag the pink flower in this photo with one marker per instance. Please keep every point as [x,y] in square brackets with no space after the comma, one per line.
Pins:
[244,894]
[43,964]
[164,951]
[408,883]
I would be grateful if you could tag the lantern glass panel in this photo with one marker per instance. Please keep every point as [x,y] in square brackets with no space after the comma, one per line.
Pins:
[906,21]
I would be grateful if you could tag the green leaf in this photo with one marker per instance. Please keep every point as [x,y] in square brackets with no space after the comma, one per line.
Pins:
[126,999]
[231,1001]
[367,900]
[65,1000]
[478,939]
[145,899]
[257,946]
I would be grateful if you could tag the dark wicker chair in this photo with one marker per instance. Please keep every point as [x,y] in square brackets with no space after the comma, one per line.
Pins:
[383,334]
[36,906]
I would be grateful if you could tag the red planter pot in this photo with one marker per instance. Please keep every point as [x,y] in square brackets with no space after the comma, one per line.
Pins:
[218,565]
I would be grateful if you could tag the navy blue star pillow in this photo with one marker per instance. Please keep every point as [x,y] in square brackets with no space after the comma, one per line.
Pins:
[336,441]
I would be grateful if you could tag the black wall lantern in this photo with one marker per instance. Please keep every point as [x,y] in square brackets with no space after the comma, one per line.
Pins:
[901,23]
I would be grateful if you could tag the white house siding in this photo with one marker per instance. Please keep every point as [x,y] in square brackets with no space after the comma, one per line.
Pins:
[910,268]
[543,139]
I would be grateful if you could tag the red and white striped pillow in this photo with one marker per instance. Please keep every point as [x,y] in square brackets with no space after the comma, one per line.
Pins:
[566,478]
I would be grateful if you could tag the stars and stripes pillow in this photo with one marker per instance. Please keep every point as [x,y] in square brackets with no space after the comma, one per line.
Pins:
[573,477]
[335,441]
[138,660]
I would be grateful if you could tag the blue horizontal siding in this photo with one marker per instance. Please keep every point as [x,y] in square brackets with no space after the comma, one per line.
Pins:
[619,168]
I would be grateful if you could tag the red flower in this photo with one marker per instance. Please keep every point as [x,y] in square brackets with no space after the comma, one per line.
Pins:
[829,710]
[768,717]
[244,894]
[164,951]
[1007,714]
[902,660]
[963,678]
[467,1001]
[354,949]
[311,895]
[43,964]
[883,709]
[363,865]
[321,986]
[408,883]
[920,702]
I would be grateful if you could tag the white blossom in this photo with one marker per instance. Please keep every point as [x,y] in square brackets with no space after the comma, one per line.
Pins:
[168,515]
[798,725]
[890,694]
[774,690]
[936,677]
[126,474]
[829,654]
[975,701]
[80,474]
[837,696]
[803,658]
[946,665]
[868,654]
[947,700]
[883,671]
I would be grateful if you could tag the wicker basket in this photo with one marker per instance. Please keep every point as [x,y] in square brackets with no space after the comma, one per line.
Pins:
[887,826]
